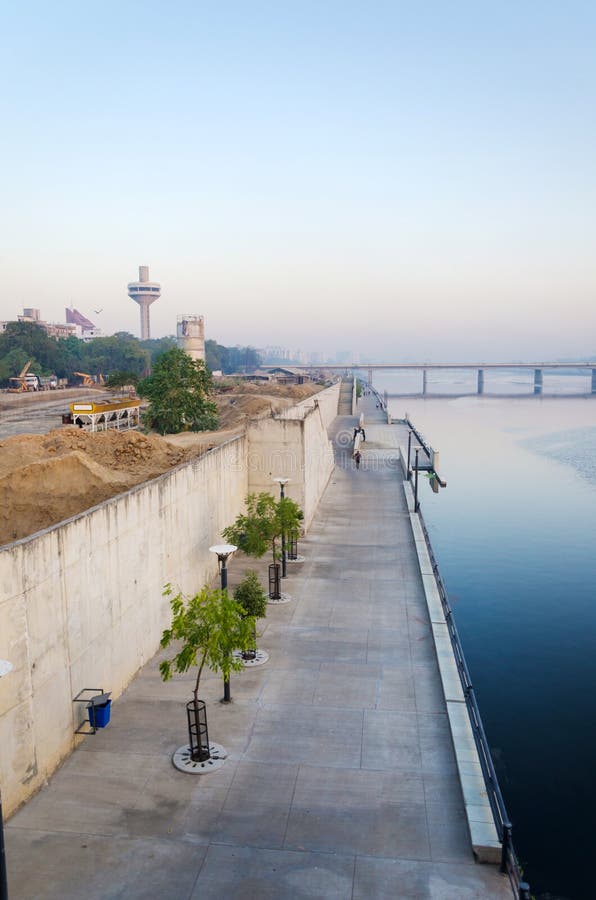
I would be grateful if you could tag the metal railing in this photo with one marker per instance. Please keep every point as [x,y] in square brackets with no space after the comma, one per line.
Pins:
[427,448]
[509,862]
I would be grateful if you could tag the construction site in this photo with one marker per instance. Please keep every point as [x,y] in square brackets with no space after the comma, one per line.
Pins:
[50,471]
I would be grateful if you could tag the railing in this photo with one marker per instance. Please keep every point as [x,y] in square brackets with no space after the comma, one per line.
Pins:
[419,438]
[509,861]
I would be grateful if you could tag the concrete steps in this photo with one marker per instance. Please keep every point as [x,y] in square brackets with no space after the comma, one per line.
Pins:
[344,407]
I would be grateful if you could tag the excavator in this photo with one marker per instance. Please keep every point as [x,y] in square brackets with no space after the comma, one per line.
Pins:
[89,381]
[20,383]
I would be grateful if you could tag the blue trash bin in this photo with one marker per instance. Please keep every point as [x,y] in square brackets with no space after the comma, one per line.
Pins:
[99,715]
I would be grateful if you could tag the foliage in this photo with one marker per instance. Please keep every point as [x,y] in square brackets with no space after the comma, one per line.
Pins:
[121,352]
[22,341]
[178,391]
[156,346]
[358,389]
[230,359]
[263,524]
[211,625]
[251,596]
[122,379]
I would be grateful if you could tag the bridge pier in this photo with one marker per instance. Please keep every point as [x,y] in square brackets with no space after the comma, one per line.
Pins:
[424,380]
[537,381]
[370,377]
[594,381]
[481,381]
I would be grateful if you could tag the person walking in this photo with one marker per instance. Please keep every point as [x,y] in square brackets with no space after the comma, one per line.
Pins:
[357,458]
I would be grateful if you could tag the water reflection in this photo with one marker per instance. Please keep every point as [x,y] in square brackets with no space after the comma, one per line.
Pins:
[513,534]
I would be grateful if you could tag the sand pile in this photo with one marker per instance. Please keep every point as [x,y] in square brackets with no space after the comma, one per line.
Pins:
[47,478]
[239,403]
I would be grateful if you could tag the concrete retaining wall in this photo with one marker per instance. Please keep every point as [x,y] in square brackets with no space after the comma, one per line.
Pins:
[295,445]
[82,605]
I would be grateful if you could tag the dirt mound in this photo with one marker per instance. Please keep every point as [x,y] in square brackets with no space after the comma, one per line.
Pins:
[239,403]
[47,478]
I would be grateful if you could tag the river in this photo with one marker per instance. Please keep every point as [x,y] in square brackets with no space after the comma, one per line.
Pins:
[514,537]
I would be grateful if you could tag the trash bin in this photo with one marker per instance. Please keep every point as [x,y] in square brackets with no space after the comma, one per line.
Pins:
[99,711]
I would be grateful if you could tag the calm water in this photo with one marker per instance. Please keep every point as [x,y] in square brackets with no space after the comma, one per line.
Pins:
[514,536]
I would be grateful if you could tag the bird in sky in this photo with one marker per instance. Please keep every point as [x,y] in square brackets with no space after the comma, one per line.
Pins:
[97,311]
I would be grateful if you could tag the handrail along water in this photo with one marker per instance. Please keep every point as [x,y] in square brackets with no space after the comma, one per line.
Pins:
[509,861]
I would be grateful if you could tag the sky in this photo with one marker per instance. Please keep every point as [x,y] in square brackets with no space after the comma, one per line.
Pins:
[409,181]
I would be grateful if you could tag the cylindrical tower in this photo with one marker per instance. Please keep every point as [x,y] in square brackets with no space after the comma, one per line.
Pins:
[190,332]
[144,292]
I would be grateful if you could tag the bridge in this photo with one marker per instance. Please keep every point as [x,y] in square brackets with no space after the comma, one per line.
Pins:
[479,368]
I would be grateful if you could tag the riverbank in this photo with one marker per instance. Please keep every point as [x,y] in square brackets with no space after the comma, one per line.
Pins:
[341,779]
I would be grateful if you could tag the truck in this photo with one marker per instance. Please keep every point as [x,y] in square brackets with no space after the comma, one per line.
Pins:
[26,381]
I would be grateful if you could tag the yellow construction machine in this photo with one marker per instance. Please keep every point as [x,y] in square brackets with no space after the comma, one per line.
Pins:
[20,383]
[87,379]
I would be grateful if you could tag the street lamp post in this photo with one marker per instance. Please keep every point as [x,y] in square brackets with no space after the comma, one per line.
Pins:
[5,668]
[284,570]
[408,473]
[416,504]
[224,551]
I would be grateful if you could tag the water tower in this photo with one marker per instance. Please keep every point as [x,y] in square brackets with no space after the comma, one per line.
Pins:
[144,292]
[190,332]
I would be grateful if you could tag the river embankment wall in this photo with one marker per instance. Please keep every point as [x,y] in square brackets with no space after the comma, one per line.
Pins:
[294,445]
[82,602]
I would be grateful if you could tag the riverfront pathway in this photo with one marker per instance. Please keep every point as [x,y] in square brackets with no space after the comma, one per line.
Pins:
[341,781]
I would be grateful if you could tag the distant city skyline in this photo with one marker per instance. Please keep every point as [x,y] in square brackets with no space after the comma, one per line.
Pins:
[411,182]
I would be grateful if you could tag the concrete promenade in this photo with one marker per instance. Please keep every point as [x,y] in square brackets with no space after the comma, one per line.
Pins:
[341,780]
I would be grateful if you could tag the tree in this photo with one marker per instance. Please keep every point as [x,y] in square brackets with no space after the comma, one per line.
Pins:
[211,625]
[258,529]
[253,600]
[263,524]
[122,379]
[27,340]
[178,391]
[157,346]
[230,359]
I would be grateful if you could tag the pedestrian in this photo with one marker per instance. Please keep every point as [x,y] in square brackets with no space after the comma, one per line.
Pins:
[357,458]
[356,430]
[363,434]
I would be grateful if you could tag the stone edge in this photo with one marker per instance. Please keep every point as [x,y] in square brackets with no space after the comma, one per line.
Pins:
[483,832]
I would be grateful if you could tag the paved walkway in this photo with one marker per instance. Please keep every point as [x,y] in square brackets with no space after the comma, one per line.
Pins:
[341,779]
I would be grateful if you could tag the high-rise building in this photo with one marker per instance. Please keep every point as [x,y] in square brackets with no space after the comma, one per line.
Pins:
[144,292]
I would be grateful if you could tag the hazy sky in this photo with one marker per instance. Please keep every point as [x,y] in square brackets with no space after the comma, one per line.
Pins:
[410,180]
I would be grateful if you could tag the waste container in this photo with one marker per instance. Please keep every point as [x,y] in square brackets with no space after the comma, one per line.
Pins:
[99,711]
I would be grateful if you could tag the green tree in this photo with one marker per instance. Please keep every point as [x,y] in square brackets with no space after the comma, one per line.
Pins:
[253,600]
[211,625]
[213,354]
[157,346]
[178,392]
[263,524]
[33,343]
[120,352]
[122,379]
